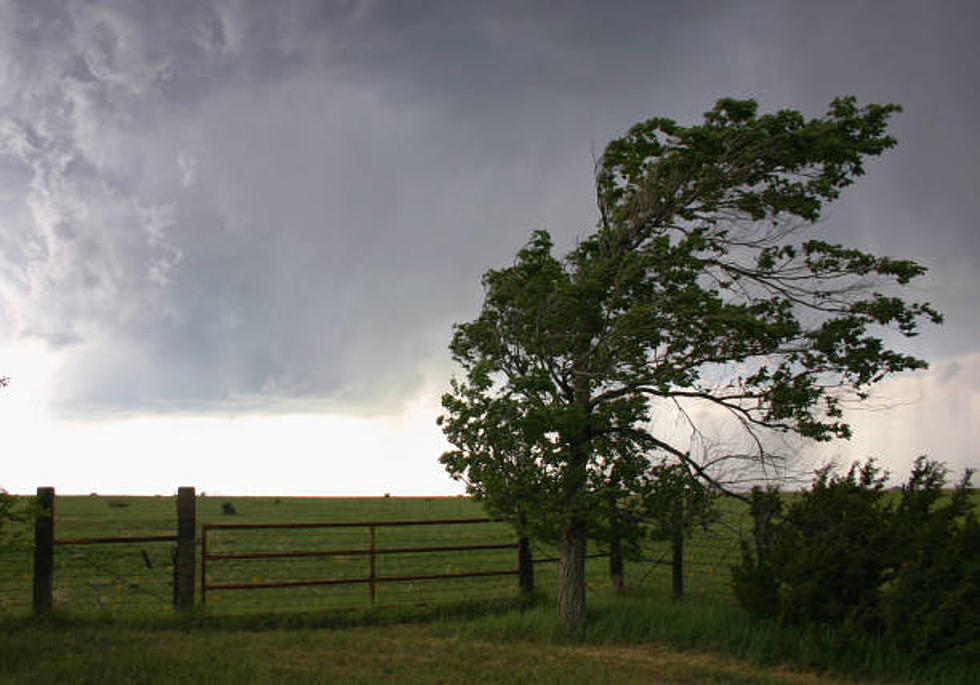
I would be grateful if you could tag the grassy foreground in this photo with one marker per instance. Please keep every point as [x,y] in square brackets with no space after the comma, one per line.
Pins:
[489,637]
[631,639]
[439,652]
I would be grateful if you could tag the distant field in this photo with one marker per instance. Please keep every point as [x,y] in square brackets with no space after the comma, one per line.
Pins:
[136,578]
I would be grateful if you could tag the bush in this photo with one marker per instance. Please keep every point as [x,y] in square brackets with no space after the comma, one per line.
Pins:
[845,555]
[8,507]
[930,603]
[14,510]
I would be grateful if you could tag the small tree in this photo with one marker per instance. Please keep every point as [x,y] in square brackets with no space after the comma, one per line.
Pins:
[699,287]
[676,503]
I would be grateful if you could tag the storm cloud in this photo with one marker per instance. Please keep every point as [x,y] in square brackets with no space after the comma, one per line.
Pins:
[212,206]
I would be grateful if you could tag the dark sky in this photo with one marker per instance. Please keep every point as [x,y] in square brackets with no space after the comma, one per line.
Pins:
[216,205]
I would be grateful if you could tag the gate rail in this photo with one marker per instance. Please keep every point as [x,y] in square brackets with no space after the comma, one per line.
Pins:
[372,579]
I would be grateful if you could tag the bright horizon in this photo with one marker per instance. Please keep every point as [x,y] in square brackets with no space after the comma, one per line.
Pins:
[287,454]
[327,455]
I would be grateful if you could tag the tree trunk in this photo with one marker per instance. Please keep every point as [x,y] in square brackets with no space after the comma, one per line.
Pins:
[616,565]
[677,567]
[571,566]
[571,577]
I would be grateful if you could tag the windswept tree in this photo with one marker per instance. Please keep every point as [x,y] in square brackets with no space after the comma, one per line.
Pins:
[702,285]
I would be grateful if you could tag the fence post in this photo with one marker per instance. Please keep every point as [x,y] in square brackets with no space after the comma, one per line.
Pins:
[525,566]
[371,565]
[44,550]
[185,556]
[204,565]
[616,572]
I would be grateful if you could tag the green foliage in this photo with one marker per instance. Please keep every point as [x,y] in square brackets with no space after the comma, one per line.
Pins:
[8,510]
[847,555]
[15,515]
[7,503]
[839,527]
[927,602]
[675,502]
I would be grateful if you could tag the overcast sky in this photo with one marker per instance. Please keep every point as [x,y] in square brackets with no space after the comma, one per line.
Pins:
[235,228]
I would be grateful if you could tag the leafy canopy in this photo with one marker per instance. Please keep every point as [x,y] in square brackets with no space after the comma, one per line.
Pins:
[701,286]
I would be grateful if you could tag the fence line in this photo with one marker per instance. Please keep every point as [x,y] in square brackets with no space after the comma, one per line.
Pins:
[70,570]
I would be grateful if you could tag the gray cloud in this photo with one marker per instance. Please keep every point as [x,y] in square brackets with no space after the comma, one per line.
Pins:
[233,204]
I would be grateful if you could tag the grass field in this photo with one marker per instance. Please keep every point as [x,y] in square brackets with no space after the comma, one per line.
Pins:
[114,622]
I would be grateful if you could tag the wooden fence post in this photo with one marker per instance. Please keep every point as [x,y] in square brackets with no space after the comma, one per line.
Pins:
[371,565]
[616,572]
[525,566]
[44,550]
[185,556]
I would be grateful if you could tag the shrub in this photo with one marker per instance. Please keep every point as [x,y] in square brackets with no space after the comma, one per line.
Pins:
[929,605]
[8,510]
[833,550]
[846,556]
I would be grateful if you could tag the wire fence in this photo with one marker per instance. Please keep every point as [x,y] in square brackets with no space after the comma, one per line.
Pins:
[132,577]
[16,568]
[708,559]
[137,576]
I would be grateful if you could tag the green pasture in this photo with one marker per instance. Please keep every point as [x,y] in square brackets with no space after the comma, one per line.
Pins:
[638,637]
[135,578]
[113,620]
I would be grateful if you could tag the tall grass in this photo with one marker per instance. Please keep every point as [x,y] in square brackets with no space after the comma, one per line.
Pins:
[708,625]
